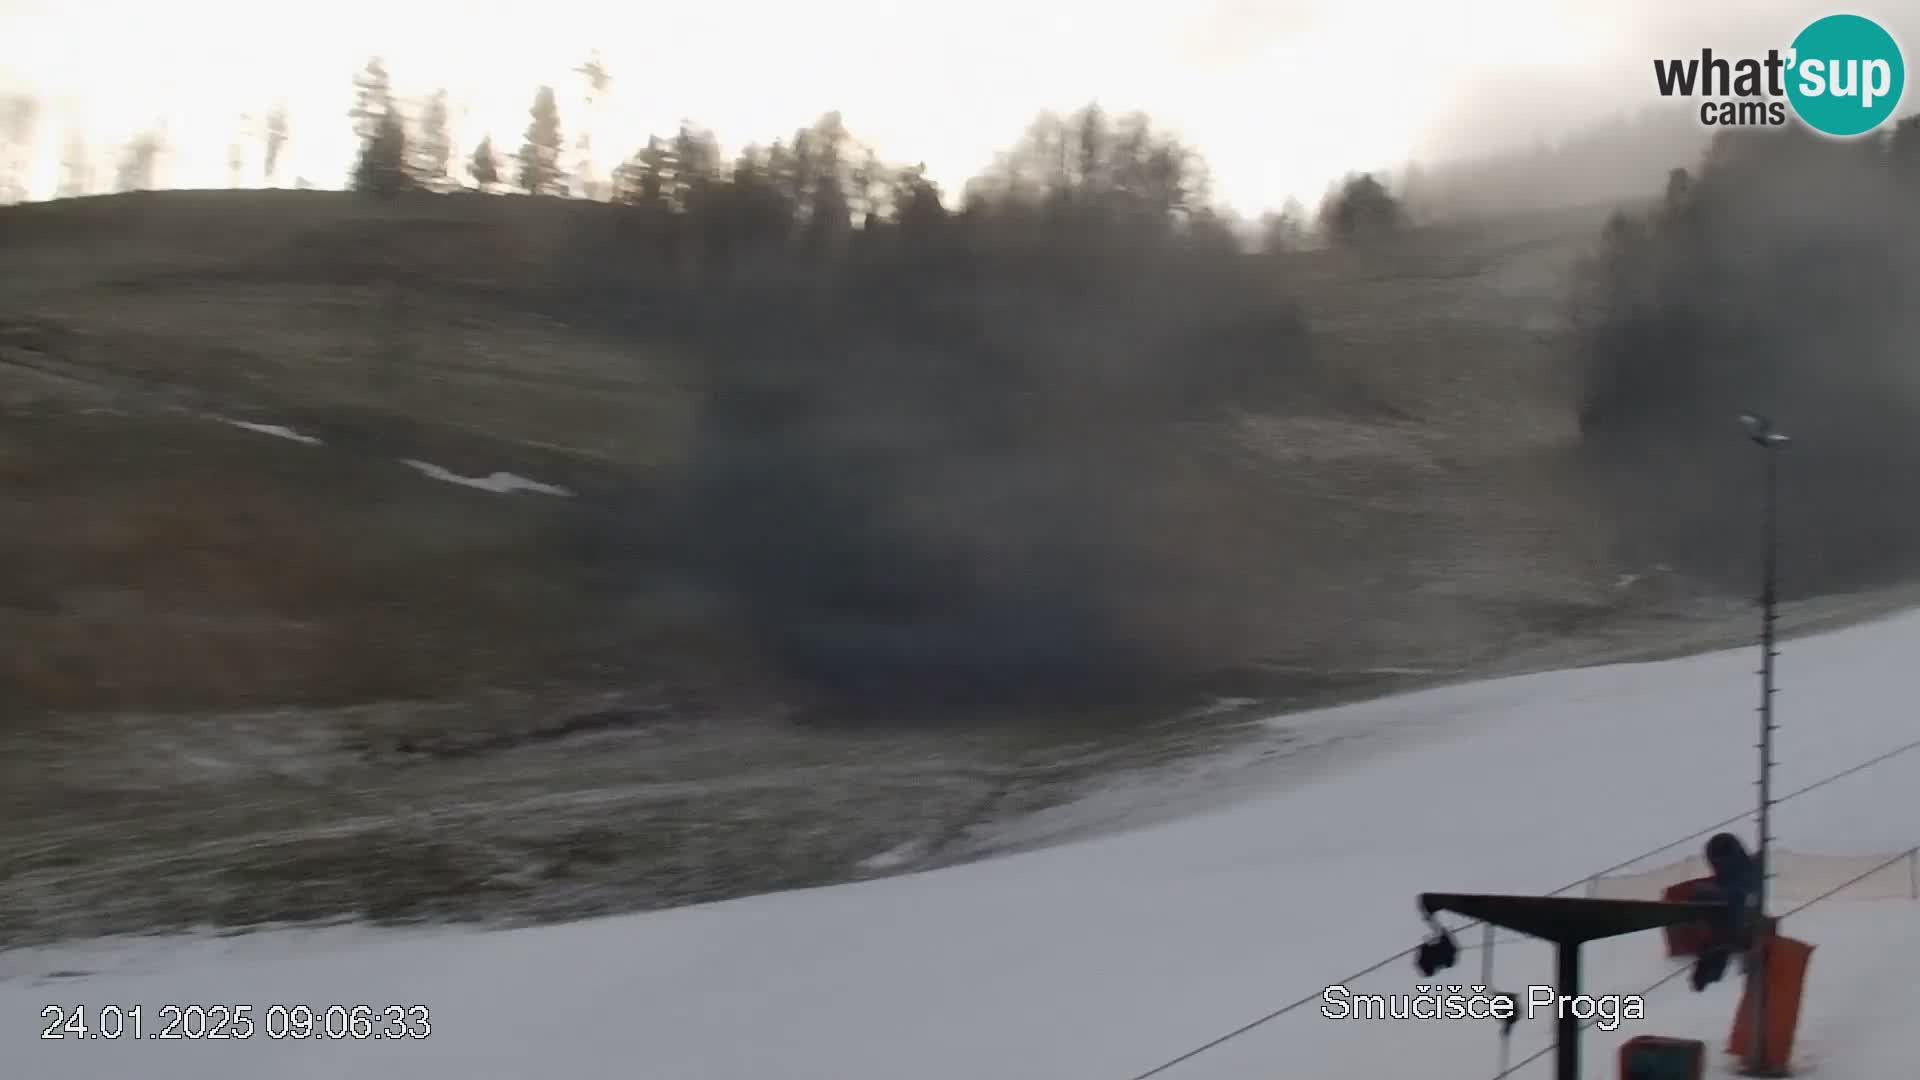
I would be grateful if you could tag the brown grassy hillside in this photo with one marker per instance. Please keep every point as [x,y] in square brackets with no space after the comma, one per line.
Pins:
[160,558]
[294,680]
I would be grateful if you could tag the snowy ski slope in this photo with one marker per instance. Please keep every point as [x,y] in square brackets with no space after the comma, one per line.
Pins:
[1102,958]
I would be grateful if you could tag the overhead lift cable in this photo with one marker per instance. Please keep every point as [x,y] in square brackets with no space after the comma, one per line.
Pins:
[1569,887]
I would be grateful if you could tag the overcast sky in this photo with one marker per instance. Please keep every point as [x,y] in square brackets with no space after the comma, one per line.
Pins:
[1281,95]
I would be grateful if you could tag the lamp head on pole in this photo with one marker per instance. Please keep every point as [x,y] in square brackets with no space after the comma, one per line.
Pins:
[1760,430]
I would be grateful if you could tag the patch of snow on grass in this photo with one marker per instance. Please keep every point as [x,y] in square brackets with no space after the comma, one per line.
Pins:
[895,857]
[275,430]
[499,483]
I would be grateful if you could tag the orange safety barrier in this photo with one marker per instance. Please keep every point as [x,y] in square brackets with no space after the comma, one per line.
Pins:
[1684,939]
[1786,970]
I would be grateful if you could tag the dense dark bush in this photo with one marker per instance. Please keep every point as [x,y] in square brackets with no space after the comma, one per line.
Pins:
[1361,211]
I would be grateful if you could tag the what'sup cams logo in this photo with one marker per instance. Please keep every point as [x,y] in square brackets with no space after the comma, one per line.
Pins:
[1843,75]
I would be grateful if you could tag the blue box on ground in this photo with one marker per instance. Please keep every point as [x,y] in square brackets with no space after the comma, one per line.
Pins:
[1657,1057]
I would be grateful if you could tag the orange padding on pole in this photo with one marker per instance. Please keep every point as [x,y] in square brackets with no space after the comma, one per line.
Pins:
[1786,968]
[1685,939]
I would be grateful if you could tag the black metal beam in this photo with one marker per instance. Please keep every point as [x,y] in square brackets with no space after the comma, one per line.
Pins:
[1567,919]
[1568,922]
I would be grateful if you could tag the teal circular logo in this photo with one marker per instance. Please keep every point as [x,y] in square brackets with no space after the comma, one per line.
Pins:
[1847,75]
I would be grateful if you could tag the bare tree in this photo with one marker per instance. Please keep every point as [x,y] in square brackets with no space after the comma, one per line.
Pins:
[276,140]
[19,121]
[76,166]
[1285,231]
[237,151]
[597,78]
[1089,174]
[432,149]
[139,163]
[915,202]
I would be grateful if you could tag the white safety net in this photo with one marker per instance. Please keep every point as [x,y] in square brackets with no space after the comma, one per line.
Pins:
[1796,876]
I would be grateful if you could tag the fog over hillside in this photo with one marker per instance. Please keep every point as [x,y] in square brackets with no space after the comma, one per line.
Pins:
[555,463]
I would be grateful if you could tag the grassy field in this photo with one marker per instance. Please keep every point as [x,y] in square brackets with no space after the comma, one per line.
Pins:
[163,559]
[429,312]
[406,687]
[427,328]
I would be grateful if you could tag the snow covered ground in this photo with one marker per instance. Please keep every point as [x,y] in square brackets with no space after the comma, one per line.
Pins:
[1099,959]
[500,483]
[278,431]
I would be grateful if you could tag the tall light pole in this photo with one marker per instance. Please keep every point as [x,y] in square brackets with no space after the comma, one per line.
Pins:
[1760,431]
